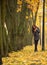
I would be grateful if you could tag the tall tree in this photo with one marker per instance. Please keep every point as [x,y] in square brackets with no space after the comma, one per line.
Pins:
[3,14]
[12,22]
[43,46]
[23,22]
[0,36]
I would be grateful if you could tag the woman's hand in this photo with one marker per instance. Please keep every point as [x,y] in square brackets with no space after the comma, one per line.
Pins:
[35,29]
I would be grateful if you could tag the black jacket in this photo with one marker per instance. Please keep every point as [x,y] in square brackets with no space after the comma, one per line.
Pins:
[36,34]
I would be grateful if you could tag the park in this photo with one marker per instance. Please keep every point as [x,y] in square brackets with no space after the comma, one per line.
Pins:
[16,37]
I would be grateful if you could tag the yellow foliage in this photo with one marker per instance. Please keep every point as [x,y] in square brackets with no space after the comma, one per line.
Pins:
[26,17]
[19,2]
[31,15]
[19,10]
[32,4]
[26,56]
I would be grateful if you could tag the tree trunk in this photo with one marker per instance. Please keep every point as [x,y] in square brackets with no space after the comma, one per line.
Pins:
[43,46]
[3,14]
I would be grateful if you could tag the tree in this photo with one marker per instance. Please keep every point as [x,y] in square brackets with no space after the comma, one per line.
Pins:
[43,46]
[0,36]
[16,17]
[12,22]
[4,50]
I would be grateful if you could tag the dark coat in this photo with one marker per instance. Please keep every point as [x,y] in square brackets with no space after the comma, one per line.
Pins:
[36,33]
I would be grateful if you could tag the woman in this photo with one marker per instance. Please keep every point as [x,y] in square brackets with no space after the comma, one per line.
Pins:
[35,31]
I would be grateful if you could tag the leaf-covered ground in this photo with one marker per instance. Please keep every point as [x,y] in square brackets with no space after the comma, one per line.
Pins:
[26,56]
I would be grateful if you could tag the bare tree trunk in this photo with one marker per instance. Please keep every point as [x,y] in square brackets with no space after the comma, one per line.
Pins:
[4,28]
[0,36]
[43,46]
[12,23]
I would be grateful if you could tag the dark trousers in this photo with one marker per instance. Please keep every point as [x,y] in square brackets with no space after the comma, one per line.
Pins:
[36,43]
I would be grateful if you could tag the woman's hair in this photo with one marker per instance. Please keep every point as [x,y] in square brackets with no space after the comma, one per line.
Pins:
[33,27]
